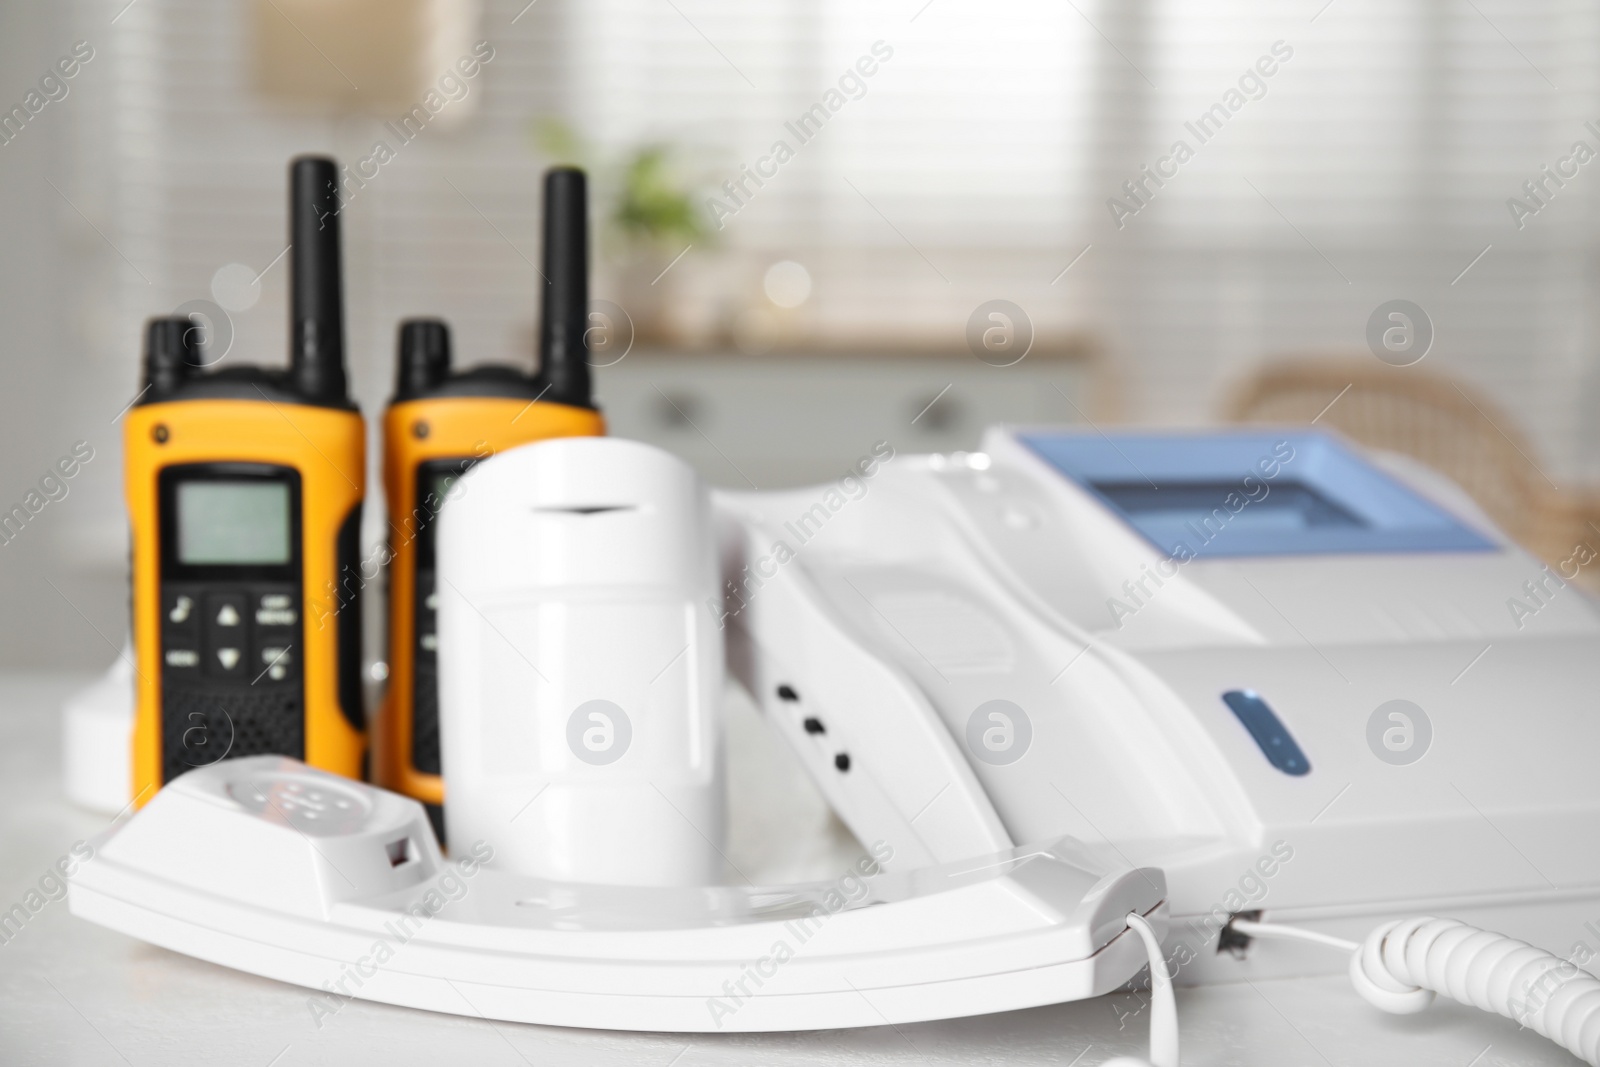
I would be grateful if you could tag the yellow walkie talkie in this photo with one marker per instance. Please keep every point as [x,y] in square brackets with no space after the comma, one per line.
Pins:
[244,489]
[439,424]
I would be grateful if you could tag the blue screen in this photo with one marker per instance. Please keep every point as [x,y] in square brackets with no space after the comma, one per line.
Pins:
[1253,494]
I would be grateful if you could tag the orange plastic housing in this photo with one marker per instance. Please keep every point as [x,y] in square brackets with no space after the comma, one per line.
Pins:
[328,448]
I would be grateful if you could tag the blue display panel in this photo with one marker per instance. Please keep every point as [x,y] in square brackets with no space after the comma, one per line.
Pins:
[1253,494]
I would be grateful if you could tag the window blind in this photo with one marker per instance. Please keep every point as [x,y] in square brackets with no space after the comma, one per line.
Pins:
[980,160]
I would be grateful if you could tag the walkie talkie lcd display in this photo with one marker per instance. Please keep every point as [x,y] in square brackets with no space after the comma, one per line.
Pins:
[244,490]
[440,423]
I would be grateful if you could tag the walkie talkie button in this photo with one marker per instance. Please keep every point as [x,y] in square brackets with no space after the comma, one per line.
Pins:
[225,639]
[227,649]
[429,642]
[276,658]
[182,607]
[225,611]
[182,658]
[276,609]
[180,620]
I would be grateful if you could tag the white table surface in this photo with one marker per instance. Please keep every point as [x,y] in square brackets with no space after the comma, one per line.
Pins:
[73,993]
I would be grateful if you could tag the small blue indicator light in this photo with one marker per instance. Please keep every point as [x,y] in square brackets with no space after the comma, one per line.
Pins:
[1268,730]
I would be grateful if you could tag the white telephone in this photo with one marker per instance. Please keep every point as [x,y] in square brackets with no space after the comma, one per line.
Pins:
[1290,676]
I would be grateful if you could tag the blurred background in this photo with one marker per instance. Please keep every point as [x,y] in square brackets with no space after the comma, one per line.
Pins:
[978,213]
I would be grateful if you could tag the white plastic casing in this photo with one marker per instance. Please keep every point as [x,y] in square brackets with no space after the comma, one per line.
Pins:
[272,867]
[579,668]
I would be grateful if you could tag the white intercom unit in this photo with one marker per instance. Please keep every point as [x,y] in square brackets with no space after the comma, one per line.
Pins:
[1291,675]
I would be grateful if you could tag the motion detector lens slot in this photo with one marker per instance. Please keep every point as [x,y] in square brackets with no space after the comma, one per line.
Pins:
[586,509]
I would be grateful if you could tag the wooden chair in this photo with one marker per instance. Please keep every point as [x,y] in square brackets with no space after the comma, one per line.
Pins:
[1442,422]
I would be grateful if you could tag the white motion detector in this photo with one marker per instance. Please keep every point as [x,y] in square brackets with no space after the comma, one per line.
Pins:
[579,670]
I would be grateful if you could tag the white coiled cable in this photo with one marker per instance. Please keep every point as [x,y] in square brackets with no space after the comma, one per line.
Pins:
[1401,966]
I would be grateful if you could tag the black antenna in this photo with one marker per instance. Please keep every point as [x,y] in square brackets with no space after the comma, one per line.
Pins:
[424,357]
[564,308]
[171,347]
[316,311]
